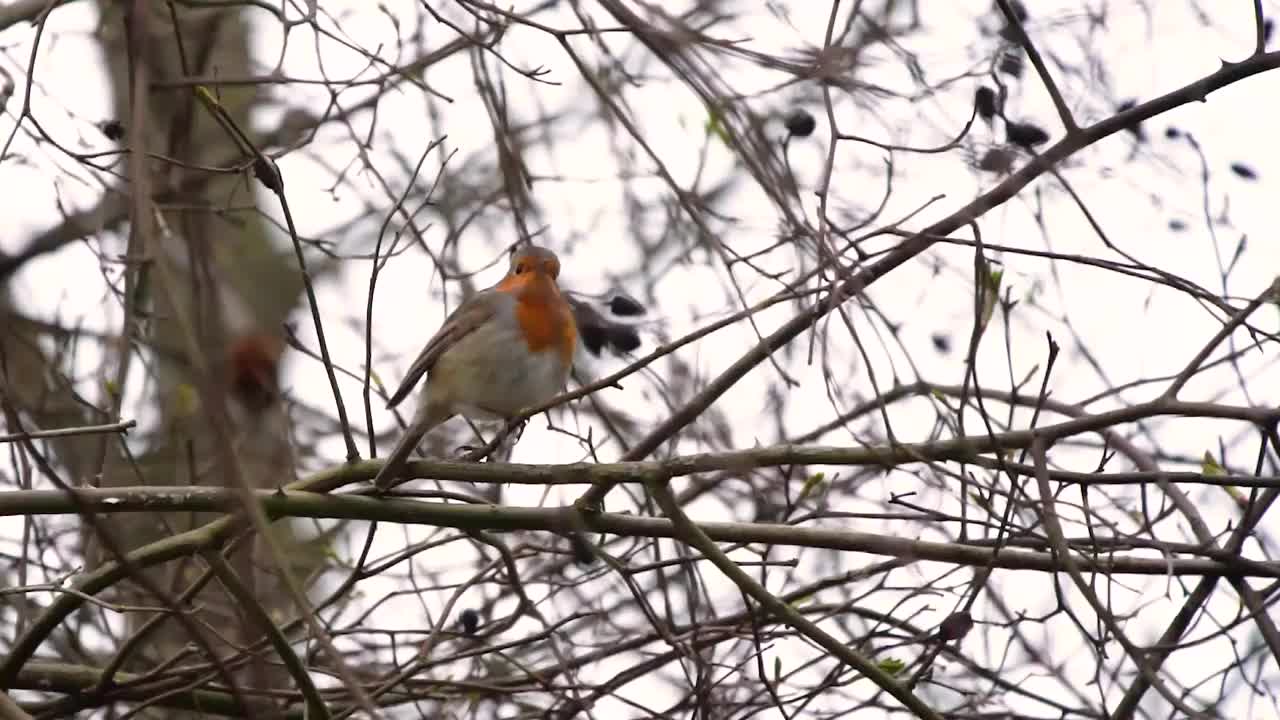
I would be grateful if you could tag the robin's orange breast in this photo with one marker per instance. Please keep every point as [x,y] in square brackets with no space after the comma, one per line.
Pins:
[547,323]
[542,313]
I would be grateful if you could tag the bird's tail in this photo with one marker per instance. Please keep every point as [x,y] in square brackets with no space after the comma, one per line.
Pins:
[427,417]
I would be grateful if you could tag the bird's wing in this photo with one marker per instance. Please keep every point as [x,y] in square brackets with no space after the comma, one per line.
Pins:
[471,314]
[598,332]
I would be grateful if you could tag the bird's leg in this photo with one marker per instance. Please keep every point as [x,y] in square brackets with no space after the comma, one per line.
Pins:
[473,452]
[510,435]
[499,448]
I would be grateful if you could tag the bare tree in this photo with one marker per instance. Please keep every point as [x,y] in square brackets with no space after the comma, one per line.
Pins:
[929,371]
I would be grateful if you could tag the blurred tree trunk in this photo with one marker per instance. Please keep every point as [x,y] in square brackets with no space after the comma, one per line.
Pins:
[207,285]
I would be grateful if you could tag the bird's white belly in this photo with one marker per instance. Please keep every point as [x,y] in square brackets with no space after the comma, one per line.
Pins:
[491,374]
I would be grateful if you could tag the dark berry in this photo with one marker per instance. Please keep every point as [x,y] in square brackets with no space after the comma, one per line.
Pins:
[941,343]
[986,102]
[113,129]
[800,123]
[470,620]
[1025,134]
[956,626]
[1244,172]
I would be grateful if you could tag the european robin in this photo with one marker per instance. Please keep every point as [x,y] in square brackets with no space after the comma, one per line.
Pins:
[503,350]
[254,368]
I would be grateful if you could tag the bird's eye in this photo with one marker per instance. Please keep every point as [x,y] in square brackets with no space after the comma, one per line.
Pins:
[519,268]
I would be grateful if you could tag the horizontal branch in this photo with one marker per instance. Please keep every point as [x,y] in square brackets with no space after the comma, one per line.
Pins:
[970,449]
[118,427]
[304,498]
[292,503]
[177,692]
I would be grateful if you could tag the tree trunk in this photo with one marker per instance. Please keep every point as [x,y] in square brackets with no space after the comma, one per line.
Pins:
[212,294]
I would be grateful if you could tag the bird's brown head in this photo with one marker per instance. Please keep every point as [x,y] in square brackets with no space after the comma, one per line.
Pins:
[533,273]
[531,259]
